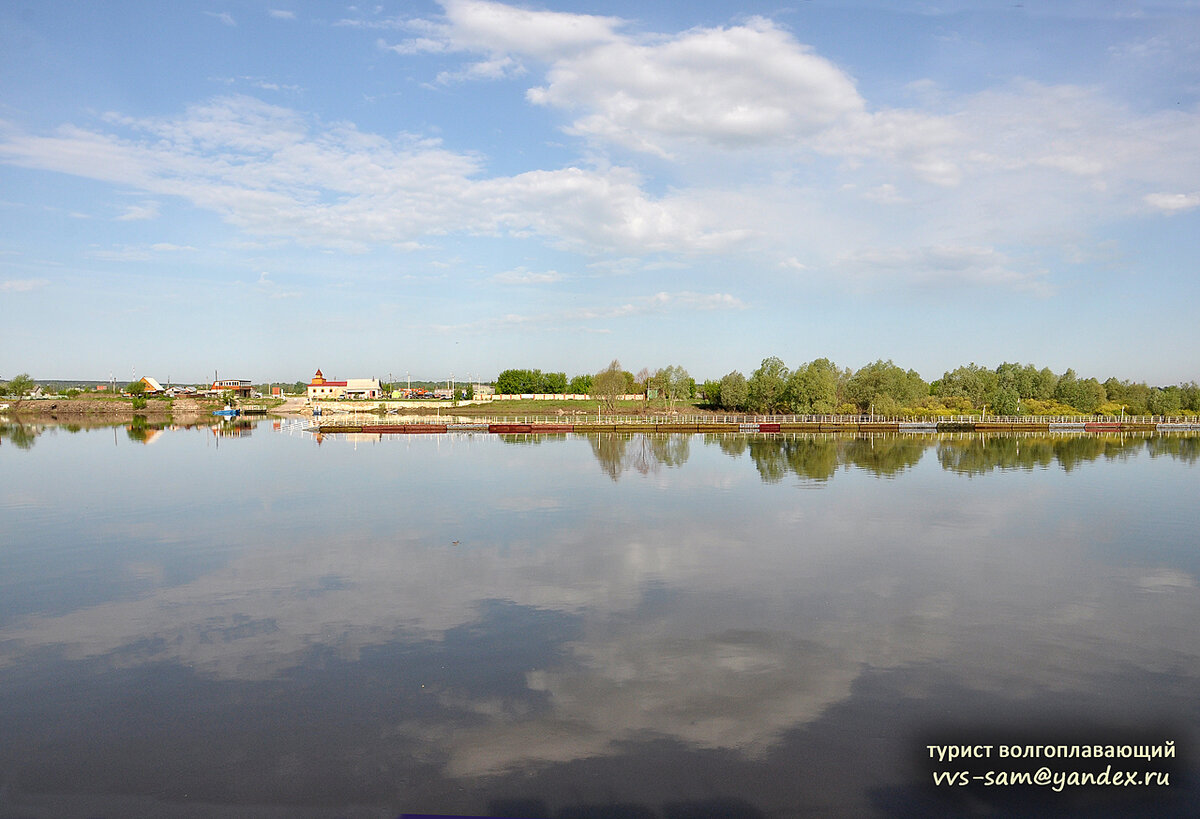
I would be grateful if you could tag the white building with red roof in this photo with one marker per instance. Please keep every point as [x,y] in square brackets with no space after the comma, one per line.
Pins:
[321,389]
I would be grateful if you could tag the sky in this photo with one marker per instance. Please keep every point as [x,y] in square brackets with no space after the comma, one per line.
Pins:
[451,189]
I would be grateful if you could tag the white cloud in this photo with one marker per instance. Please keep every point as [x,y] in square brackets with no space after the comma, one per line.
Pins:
[743,85]
[941,265]
[1173,202]
[137,253]
[496,69]
[134,213]
[740,86]
[225,17]
[500,29]
[282,14]
[22,285]
[885,194]
[271,171]
[755,89]
[523,276]
[271,289]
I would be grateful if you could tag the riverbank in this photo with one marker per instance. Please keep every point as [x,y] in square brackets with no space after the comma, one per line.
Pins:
[109,410]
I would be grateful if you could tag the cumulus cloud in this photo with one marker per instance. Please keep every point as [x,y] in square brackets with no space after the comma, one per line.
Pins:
[749,84]
[738,86]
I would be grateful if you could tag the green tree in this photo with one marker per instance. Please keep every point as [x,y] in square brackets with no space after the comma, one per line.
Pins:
[1165,401]
[734,391]
[712,393]
[975,383]
[20,385]
[608,384]
[580,385]
[885,387]
[767,386]
[1190,395]
[1006,401]
[1015,377]
[1085,395]
[519,382]
[1044,382]
[136,388]
[813,388]
[674,382]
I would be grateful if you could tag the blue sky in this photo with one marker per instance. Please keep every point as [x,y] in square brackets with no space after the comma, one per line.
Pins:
[261,189]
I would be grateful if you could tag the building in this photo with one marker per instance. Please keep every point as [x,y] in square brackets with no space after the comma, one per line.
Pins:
[321,389]
[232,387]
[152,387]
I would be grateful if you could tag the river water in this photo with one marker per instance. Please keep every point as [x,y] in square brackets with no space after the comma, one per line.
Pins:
[254,621]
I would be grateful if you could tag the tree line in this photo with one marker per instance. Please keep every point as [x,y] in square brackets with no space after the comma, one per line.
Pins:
[820,387]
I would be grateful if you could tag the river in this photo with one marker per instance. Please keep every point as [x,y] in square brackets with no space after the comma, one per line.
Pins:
[255,621]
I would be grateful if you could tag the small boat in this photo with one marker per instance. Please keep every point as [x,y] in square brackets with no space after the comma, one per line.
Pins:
[228,412]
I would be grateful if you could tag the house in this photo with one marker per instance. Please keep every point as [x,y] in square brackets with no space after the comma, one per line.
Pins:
[321,389]
[152,387]
[233,388]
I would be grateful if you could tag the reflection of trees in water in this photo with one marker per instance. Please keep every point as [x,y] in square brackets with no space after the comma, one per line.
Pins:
[817,456]
[1184,447]
[812,458]
[138,429]
[885,454]
[975,456]
[21,436]
[530,438]
[733,444]
[620,452]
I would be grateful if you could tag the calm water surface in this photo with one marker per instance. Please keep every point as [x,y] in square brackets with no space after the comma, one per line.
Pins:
[268,625]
